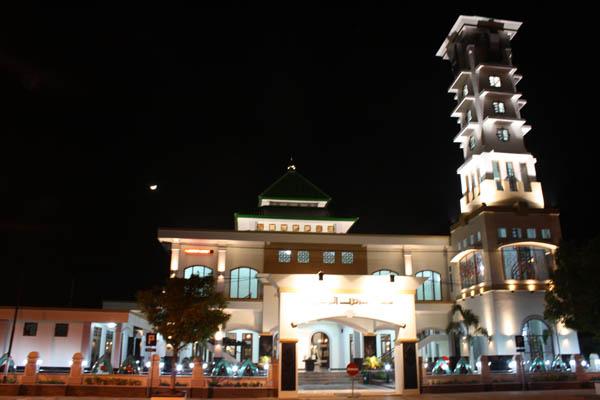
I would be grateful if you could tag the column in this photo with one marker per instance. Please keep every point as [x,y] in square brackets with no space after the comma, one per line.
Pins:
[198,374]
[86,342]
[218,349]
[408,267]
[406,369]
[154,372]
[288,369]
[221,265]
[115,357]
[175,247]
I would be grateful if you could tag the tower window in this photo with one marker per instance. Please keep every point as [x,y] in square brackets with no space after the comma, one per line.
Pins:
[512,180]
[306,228]
[472,142]
[516,233]
[498,107]
[465,90]
[531,233]
[469,116]
[496,169]
[319,228]
[260,227]
[296,228]
[303,256]
[503,134]
[546,233]
[495,81]
[329,257]
[284,256]
[272,227]
[30,329]
[330,229]
[347,257]
[284,227]
[502,233]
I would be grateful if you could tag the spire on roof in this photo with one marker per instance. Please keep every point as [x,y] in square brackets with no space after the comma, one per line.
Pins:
[291,166]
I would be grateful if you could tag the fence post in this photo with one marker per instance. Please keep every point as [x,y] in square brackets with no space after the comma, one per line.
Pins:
[30,373]
[75,374]
[198,374]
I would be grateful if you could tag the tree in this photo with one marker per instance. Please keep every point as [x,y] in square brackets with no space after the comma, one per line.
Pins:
[470,321]
[184,311]
[573,297]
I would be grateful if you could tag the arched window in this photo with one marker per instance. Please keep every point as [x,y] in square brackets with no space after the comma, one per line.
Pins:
[243,283]
[431,289]
[472,270]
[526,262]
[198,270]
[385,272]
[538,340]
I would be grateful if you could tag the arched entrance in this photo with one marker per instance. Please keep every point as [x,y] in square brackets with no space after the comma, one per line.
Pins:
[538,340]
[320,350]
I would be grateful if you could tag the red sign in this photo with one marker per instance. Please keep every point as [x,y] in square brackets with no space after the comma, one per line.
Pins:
[352,369]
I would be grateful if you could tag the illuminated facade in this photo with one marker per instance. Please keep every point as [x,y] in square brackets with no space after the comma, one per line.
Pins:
[505,240]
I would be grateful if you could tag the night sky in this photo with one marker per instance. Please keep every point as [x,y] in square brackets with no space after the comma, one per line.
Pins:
[210,104]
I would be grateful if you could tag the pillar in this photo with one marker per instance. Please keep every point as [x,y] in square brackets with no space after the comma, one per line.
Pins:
[369,344]
[198,374]
[115,357]
[288,369]
[154,372]
[76,372]
[218,349]
[406,369]
[408,267]
[175,247]
[265,346]
[221,265]
[30,372]
[86,341]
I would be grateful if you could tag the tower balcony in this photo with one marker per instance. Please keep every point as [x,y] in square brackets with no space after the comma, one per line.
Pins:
[488,194]
[463,106]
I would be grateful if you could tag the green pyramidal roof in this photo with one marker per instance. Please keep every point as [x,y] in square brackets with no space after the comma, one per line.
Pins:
[293,186]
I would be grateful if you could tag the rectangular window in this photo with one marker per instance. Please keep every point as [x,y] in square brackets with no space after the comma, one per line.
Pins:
[546,233]
[498,107]
[497,177]
[330,228]
[517,233]
[260,227]
[61,330]
[30,329]
[525,178]
[284,227]
[472,239]
[296,228]
[319,228]
[303,256]
[495,81]
[510,175]
[502,233]
[284,256]
[271,227]
[306,228]
[329,257]
[531,234]
[465,90]
[347,257]
[503,135]
[478,237]
[465,243]
[469,116]
[459,246]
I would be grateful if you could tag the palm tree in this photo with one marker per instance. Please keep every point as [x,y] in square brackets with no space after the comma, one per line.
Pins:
[470,322]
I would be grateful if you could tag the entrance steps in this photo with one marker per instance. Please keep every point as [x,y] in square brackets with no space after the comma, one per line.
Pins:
[323,378]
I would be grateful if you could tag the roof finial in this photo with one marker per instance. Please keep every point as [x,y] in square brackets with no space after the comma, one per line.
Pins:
[291,166]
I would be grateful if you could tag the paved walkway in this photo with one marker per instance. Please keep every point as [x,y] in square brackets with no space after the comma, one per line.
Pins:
[580,394]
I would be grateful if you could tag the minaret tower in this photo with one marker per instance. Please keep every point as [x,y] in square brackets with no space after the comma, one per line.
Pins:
[497,170]
[504,243]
